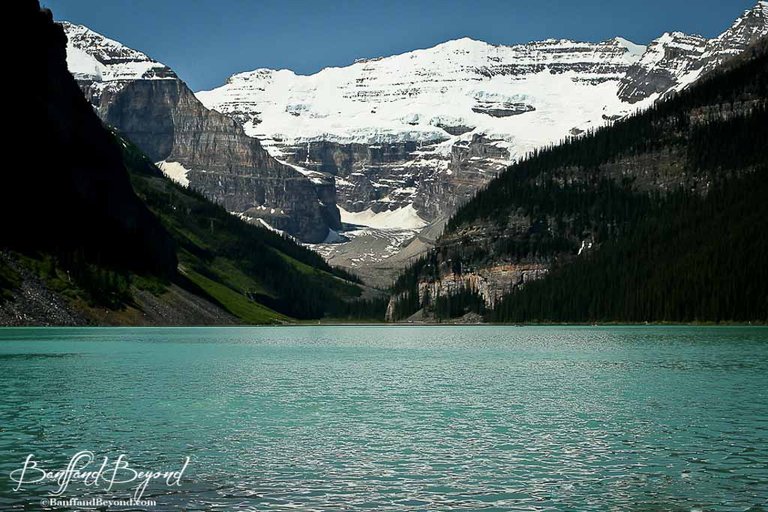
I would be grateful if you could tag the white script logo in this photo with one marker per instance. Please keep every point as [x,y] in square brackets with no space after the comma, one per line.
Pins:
[84,468]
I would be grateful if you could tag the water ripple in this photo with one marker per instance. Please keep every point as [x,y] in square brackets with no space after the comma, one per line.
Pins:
[480,418]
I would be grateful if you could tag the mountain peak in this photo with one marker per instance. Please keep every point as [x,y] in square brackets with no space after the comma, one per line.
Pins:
[745,31]
[462,44]
[93,56]
[99,44]
[464,41]
[756,17]
[675,60]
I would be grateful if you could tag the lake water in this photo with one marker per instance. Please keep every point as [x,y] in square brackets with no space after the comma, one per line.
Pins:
[397,418]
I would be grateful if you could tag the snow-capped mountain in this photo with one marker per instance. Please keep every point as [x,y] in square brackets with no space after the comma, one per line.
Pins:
[398,142]
[446,101]
[425,95]
[91,56]
[676,60]
[423,130]
[750,27]
[667,65]
[428,127]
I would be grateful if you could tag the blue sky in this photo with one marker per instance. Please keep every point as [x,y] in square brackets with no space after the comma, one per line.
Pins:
[206,41]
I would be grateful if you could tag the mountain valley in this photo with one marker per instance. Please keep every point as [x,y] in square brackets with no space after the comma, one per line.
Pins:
[420,133]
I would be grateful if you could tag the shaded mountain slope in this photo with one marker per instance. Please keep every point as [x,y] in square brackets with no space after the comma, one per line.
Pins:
[72,194]
[689,260]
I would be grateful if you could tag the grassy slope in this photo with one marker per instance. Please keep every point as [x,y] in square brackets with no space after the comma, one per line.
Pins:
[248,311]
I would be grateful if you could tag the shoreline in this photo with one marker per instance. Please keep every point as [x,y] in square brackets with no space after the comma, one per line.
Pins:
[395,325]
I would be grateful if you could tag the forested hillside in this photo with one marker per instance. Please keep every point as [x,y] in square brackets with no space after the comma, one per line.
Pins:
[659,217]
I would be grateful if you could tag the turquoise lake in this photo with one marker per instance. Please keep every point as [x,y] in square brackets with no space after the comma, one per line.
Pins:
[397,418]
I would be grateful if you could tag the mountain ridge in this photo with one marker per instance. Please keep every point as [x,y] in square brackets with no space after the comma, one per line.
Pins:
[415,135]
[751,25]
[427,128]
[152,106]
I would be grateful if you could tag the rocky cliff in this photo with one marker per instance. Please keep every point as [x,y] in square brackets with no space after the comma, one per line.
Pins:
[429,127]
[197,147]
[676,60]
[489,283]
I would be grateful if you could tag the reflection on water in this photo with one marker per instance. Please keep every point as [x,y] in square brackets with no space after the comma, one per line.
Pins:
[638,419]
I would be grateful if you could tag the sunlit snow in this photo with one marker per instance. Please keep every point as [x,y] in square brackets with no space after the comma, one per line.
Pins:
[175,171]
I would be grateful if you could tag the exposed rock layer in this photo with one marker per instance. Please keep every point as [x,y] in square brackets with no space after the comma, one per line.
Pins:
[430,127]
[157,111]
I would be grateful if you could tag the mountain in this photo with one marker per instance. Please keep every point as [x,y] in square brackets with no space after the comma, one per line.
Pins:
[95,233]
[419,133]
[659,217]
[148,103]
[255,274]
[675,60]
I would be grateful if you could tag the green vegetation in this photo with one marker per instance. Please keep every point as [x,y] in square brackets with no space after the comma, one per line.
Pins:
[73,275]
[442,307]
[408,302]
[236,303]
[694,259]
[672,201]
[9,280]
[458,304]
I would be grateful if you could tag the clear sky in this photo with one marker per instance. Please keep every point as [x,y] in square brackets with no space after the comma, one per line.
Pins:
[206,41]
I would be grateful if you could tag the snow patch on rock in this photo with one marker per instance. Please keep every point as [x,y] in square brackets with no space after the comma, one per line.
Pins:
[402,218]
[175,171]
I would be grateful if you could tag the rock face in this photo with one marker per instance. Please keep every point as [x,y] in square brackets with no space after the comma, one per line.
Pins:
[403,130]
[427,128]
[667,60]
[676,60]
[490,283]
[750,27]
[198,147]
[365,175]
[390,176]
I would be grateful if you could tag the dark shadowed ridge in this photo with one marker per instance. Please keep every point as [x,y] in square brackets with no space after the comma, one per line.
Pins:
[71,190]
